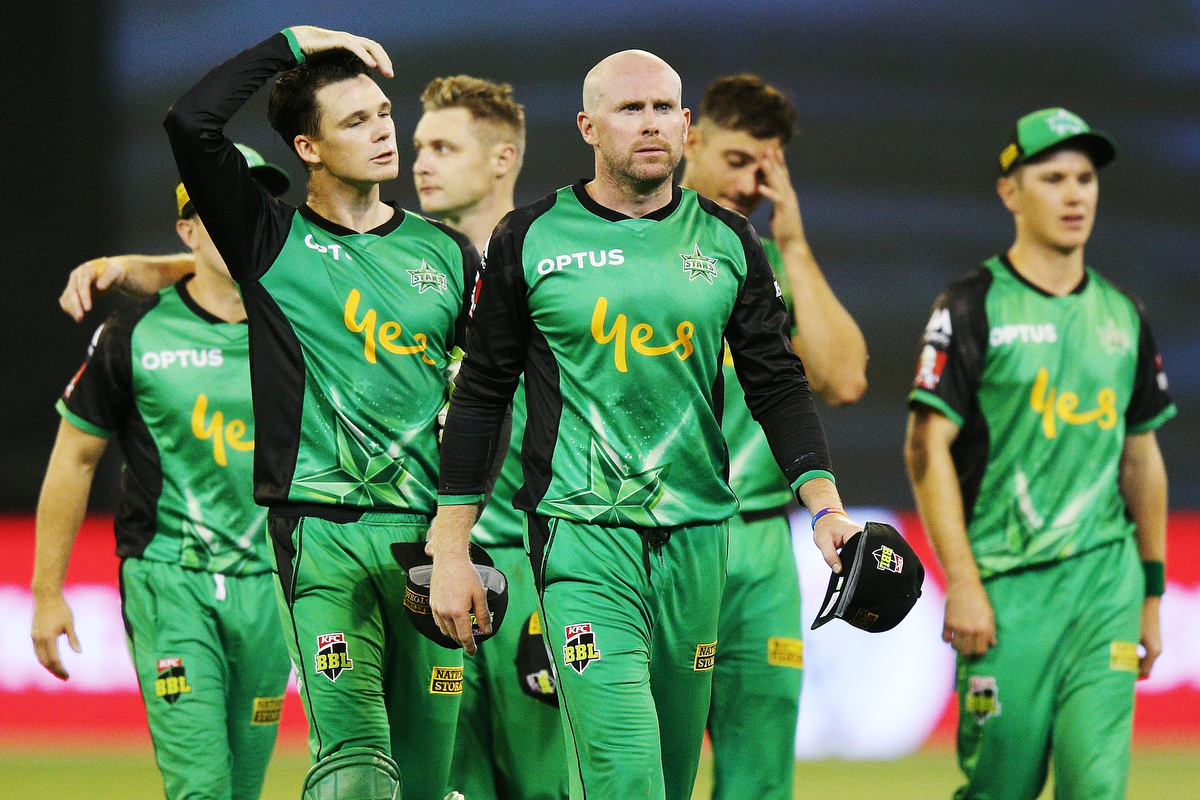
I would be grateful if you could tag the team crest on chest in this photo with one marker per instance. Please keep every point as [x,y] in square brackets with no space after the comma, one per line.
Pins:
[698,265]
[1115,341]
[427,278]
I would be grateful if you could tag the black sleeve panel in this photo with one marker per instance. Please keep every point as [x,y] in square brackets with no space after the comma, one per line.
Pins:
[101,393]
[777,391]
[954,345]
[472,272]
[497,340]
[1150,396]
[248,226]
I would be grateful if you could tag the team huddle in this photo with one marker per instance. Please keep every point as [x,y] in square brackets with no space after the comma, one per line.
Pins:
[316,403]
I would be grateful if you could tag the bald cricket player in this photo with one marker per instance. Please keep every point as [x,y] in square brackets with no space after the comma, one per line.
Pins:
[614,298]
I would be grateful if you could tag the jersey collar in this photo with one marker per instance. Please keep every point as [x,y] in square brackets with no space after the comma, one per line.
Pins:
[1083,282]
[196,308]
[604,212]
[338,230]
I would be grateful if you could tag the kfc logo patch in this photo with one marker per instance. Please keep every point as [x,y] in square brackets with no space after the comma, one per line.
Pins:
[580,649]
[332,655]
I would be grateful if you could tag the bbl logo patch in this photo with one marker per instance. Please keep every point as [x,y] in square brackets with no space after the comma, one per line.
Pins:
[172,680]
[706,657]
[1123,656]
[427,278]
[446,680]
[888,559]
[784,652]
[332,656]
[267,710]
[580,649]
[983,699]
[698,265]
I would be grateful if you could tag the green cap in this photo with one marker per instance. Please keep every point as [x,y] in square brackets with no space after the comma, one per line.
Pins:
[1038,132]
[269,176]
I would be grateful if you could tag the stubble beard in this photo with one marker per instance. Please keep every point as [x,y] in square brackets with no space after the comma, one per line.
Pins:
[643,179]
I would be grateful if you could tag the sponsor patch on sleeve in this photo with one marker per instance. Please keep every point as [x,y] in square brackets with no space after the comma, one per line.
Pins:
[785,652]
[267,710]
[1123,657]
[706,657]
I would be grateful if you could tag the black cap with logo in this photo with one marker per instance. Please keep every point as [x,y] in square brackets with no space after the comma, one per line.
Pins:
[419,568]
[879,584]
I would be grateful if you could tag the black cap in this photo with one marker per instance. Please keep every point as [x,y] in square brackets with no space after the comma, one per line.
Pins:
[419,567]
[535,670]
[879,584]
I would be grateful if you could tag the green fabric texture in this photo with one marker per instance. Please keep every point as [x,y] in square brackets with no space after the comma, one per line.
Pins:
[367,678]
[635,698]
[353,774]
[212,669]
[756,683]
[1059,684]
[356,448]
[508,745]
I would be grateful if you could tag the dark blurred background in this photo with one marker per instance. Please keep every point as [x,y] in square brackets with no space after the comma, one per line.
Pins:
[903,108]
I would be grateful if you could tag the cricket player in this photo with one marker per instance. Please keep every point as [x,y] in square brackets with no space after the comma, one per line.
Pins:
[170,377]
[354,306]
[469,146]
[615,298]
[734,155]
[1032,453]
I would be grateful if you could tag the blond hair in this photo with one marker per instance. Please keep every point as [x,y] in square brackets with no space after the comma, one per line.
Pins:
[489,103]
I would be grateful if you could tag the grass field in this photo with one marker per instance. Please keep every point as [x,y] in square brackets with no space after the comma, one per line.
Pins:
[130,774]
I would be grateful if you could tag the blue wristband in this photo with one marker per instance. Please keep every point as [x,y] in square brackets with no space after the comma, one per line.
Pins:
[823,512]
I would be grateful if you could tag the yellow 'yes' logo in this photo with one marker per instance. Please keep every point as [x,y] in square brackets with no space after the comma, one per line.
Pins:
[388,332]
[219,431]
[638,337]
[1054,405]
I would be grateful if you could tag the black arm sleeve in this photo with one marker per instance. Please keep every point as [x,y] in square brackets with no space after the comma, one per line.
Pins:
[953,348]
[100,396]
[1150,396]
[472,272]
[248,226]
[497,338]
[771,374]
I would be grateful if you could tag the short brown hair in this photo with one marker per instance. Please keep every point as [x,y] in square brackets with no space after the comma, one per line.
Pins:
[292,108]
[747,103]
[488,102]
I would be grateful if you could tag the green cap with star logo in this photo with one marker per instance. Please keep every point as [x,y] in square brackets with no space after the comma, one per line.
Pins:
[1042,130]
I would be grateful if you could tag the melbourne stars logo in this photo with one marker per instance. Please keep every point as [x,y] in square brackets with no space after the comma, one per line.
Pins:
[612,497]
[427,278]
[698,265]
[1064,123]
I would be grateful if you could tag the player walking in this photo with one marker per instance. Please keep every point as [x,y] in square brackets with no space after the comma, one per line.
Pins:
[734,156]
[1033,458]
[615,297]
[170,377]
[354,306]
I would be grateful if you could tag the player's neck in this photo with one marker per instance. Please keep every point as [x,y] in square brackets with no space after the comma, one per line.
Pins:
[353,206]
[629,199]
[478,220]
[217,294]
[1051,269]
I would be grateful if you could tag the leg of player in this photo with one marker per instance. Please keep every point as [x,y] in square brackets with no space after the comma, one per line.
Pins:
[258,667]
[175,647]
[1094,719]
[756,683]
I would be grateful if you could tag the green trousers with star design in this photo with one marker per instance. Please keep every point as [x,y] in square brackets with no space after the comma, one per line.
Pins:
[367,678]
[631,621]
[1059,683]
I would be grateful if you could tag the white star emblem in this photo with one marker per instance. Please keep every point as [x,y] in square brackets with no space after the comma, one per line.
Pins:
[698,265]
[1064,123]
[427,278]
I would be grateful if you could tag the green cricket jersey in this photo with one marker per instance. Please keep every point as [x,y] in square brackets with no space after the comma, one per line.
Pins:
[1044,390]
[350,332]
[619,326]
[173,383]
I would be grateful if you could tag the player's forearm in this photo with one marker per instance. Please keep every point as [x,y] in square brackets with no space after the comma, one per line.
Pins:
[62,505]
[146,275]
[451,532]
[827,339]
[818,494]
[1143,485]
[938,494]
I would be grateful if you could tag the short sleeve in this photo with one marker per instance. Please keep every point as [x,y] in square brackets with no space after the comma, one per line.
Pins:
[99,398]
[1150,404]
[953,348]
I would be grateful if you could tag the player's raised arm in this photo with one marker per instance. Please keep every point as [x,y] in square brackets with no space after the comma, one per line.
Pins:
[135,275]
